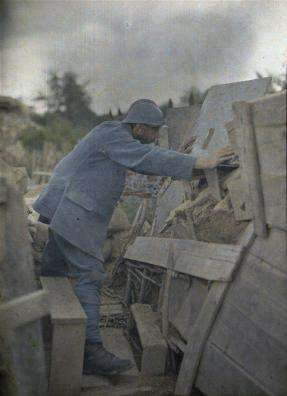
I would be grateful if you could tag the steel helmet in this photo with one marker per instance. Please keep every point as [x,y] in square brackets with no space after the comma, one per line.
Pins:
[144,111]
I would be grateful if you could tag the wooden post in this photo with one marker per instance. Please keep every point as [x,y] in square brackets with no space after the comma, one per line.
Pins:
[243,117]
[166,292]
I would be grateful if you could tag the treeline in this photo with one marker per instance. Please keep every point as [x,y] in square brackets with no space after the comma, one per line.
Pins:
[68,114]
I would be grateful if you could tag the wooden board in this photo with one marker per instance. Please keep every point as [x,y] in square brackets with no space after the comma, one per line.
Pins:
[23,310]
[275,203]
[263,305]
[201,259]
[172,197]
[186,315]
[65,307]
[239,196]
[181,122]
[250,347]
[249,157]
[154,347]
[216,110]
[270,110]
[219,375]
[197,338]
[273,250]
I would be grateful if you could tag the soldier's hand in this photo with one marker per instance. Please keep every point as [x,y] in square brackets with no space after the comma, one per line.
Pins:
[223,154]
[212,162]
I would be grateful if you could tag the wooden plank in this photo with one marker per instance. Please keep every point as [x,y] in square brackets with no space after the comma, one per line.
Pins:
[271,143]
[154,346]
[250,347]
[65,307]
[270,110]
[243,117]
[247,237]
[198,337]
[239,197]
[166,293]
[213,183]
[25,309]
[274,192]
[3,190]
[191,305]
[263,305]
[210,261]
[216,110]
[219,375]
[273,250]
[67,359]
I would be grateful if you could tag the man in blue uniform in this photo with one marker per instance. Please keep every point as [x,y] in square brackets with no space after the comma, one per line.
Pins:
[79,200]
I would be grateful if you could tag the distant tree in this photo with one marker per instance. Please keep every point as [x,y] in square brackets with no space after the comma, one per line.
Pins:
[119,112]
[170,103]
[192,96]
[111,114]
[68,98]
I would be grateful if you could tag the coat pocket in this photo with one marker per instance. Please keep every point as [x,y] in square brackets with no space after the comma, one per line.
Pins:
[80,197]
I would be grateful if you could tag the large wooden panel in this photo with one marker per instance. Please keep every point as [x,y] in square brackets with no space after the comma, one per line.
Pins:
[219,375]
[260,299]
[270,110]
[201,259]
[172,197]
[181,122]
[184,316]
[216,110]
[271,144]
[273,250]
[250,347]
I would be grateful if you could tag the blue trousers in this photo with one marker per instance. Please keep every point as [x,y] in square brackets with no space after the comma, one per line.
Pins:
[60,258]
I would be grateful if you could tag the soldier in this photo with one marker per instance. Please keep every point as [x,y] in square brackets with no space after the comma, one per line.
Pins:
[79,200]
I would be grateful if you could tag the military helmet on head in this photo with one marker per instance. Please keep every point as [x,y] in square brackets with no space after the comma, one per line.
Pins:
[145,111]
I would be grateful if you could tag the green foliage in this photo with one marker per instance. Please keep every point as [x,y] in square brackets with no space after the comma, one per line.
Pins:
[68,98]
[54,129]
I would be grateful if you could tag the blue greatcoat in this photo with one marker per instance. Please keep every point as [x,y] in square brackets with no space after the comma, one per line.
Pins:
[87,183]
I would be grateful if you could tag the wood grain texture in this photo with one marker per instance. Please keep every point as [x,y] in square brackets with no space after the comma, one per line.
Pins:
[65,307]
[154,346]
[243,117]
[67,359]
[25,309]
[273,250]
[209,261]
[226,377]
[197,338]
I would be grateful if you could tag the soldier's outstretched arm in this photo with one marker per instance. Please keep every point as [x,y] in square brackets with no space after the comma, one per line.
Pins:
[148,159]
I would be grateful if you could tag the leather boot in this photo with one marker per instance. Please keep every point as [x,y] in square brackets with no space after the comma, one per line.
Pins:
[97,360]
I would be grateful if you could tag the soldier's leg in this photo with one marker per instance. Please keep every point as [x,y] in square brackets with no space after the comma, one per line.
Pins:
[53,261]
[89,276]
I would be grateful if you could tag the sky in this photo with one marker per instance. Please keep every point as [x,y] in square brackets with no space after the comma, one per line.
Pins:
[140,49]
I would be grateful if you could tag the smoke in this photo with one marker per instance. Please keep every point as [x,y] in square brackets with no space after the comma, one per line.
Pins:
[133,49]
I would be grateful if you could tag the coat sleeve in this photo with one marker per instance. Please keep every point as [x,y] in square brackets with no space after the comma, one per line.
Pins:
[148,159]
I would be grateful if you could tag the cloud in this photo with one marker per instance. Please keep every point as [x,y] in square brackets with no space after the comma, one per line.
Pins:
[132,49]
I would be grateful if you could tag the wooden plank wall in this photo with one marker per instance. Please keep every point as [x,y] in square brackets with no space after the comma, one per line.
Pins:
[246,353]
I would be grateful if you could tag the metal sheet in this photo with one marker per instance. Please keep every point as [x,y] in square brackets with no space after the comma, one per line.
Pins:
[217,109]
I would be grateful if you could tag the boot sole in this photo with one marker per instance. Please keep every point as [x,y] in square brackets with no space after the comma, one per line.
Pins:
[107,374]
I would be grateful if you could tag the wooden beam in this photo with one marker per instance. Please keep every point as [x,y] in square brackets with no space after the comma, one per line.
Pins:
[25,309]
[197,338]
[154,347]
[205,260]
[243,117]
